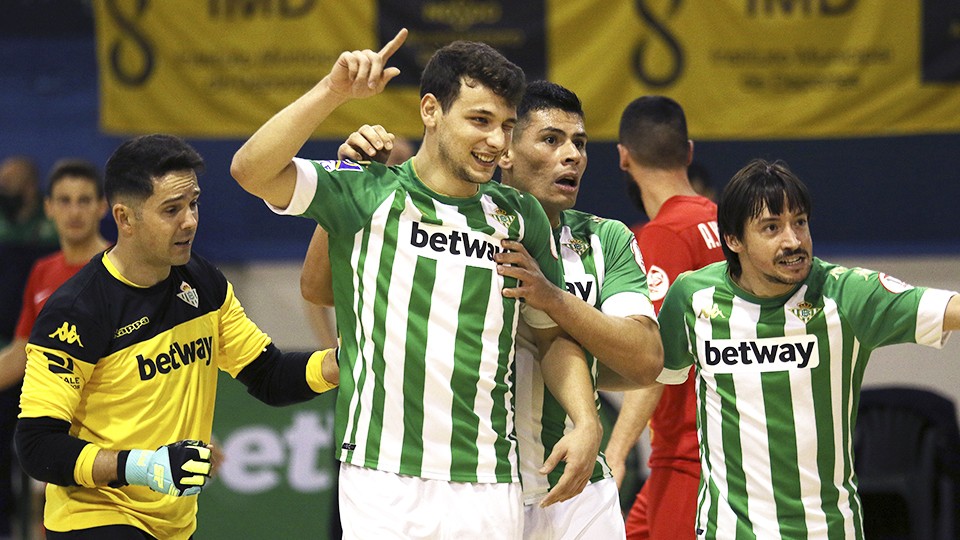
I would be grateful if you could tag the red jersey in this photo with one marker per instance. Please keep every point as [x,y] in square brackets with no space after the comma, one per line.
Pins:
[684,236]
[47,275]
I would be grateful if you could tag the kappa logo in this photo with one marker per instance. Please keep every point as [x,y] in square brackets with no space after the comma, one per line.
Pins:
[67,333]
[712,313]
[805,311]
[188,294]
[132,327]
[577,246]
[503,217]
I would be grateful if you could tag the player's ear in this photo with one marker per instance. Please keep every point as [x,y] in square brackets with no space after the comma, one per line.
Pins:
[124,216]
[506,160]
[624,157]
[430,110]
[733,243]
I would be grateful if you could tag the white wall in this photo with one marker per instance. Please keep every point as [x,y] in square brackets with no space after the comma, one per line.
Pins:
[270,292]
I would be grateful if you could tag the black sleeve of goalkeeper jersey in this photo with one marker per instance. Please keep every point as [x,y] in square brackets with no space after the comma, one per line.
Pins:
[278,378]
[46,449]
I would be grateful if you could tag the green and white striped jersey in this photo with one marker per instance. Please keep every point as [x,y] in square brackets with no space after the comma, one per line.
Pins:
[602,266]
[778,386]
[426,337]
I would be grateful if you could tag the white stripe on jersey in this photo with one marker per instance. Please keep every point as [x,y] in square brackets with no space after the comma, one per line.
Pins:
[754,437]
[401,288]
[801,390]
[702,301]
[364,397]
[841,409]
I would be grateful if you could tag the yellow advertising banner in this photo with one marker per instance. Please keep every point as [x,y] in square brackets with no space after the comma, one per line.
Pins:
[743,69]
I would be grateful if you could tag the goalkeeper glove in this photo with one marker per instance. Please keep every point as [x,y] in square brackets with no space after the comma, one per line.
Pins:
[177,469]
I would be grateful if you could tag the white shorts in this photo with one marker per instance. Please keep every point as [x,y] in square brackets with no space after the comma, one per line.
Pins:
[594,513]
[383,505]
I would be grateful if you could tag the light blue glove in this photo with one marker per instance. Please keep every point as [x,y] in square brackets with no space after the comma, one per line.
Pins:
[177,469]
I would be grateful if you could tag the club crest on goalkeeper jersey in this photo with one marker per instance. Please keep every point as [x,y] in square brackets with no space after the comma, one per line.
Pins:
[603,267]
[427,339]
[777,390]
[134,367]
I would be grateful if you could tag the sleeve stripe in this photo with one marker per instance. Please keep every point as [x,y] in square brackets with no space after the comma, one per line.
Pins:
[933,305]
[304,191]
[627,304]
[673,376]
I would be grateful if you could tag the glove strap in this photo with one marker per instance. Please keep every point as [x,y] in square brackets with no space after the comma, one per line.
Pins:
[121,470]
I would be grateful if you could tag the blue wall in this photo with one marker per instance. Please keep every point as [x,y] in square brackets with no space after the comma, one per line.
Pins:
[874,195]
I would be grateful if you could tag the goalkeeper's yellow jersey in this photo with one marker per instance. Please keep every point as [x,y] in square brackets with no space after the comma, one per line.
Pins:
[134,367]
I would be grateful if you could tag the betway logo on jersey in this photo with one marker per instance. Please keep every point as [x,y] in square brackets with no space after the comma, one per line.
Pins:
[584,288]
[179,355]
[435,241]
[760,355]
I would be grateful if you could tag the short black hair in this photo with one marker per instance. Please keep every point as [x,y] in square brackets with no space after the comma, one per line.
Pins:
[758,185]
[77,168]
[654,130]
[470,62]
[135,164]
[543,95]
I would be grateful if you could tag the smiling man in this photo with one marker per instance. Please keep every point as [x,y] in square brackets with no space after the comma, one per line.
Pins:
[780,340]
[425,419]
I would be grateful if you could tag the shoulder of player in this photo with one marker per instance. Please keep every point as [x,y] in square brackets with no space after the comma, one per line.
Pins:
[575,219]
[712,275]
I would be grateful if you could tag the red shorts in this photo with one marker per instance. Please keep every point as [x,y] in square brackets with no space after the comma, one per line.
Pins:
[666,507]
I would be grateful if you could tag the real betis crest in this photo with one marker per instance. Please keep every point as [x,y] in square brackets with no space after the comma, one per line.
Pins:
[805,311]
[577,246]
[503,217]
[188,294]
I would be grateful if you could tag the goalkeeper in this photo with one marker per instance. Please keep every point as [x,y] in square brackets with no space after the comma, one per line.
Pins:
[123,360]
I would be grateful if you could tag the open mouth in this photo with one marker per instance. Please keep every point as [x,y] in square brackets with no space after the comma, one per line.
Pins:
[484,158]
[567,182]
[793,259]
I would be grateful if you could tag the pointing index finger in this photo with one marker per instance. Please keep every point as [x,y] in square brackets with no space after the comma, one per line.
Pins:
[391,47]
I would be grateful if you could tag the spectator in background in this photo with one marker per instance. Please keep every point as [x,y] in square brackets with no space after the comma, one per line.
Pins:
[655,152]
[25,236]
[75,203]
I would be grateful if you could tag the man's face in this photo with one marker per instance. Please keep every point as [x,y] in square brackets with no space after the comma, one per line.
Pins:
[548,157]
[165,223]
[473,134]
[775,252]
[75,209]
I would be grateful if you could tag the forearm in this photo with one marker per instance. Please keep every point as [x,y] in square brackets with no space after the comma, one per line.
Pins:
[635,412]
[566,375]
[630,346]
[50,454]
[277,378]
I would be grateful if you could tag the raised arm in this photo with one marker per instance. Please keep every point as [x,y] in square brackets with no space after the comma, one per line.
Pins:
[263,165]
